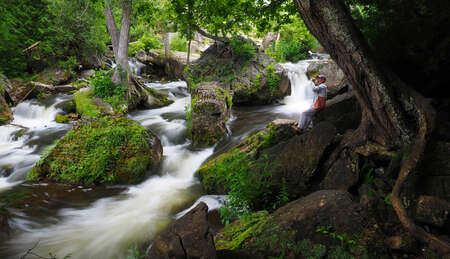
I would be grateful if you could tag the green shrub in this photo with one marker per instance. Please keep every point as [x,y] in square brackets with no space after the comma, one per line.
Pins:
[178,43]
[273,80]
[104,88]
[243,49]
[147,42]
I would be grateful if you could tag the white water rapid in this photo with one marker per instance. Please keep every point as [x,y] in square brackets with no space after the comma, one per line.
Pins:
[110,226]
[33,123]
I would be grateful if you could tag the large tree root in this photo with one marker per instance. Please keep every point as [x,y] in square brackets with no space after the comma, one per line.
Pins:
[409,163]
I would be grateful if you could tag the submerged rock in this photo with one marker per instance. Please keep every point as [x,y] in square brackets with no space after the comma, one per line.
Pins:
[188,237]
[251,76]
[100,151]
[209,111]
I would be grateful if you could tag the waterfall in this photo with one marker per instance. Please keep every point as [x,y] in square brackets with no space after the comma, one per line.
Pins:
[301,88]
[18,141]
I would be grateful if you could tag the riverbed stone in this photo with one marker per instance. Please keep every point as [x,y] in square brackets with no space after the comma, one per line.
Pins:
[252,78]
[109,150]
[209,111]
[188,237]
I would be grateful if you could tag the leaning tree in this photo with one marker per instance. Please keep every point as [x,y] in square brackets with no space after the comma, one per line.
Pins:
[395,117]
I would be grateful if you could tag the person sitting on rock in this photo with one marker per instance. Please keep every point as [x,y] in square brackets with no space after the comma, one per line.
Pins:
[320,96]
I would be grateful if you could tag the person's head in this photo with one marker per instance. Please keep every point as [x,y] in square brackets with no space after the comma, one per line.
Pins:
[321,79]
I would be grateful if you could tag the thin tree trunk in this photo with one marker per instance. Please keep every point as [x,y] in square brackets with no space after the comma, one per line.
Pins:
[112,28]
[394,115]
[122,74]
[189,51]
[166,40]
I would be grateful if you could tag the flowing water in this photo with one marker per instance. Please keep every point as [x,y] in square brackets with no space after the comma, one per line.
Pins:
[104,222]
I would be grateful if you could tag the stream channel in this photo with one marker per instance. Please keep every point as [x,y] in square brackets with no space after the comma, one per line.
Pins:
[104,222]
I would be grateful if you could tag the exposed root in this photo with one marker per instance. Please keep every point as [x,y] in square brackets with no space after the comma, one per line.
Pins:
[409,163]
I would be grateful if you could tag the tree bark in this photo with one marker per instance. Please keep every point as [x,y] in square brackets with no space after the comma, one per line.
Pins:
[331,23]
[394,116]
[112,28]
[124,36]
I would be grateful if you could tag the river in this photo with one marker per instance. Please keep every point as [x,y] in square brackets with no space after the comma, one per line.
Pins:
[104,222]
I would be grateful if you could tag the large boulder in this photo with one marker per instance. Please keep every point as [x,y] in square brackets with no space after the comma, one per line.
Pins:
[326,222]
[188,237]
[336,79]
[209,111]
[101,151]
[276,159]
[5,112]
[54,76]
[343,111]
[251,75]
[172,66]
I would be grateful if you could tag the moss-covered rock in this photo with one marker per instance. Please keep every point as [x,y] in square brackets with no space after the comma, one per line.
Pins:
[87,105]
[250,75]
[324,224]
[5,112]
[61,118]
[54,76]
[98,151]
[208,113]
[156,99]
[67,107]
[271,162]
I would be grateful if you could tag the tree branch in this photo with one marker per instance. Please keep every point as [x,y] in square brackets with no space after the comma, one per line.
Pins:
[207,35]
[112,27]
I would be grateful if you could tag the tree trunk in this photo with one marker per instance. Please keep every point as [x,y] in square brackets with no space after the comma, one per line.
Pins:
[394,116]
[189,51]
[112,28]
[122,73]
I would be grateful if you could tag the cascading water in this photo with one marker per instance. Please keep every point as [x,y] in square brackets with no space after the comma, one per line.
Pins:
[107,227]
[33,125]
[110,226]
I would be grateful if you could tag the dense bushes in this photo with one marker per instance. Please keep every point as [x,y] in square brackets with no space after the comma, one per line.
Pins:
[242,49]
[147,42]
[294,44]
[178,43]
[69,32]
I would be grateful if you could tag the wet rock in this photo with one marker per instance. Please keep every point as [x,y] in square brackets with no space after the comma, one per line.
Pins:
[67,106]
[254,79]
[5,112]
[101,151]
[54,76]
[324,221]
[343,111]
[276,156]
[336,79]
[173,66]
[432,210]
[5,229]
[188,237]
[156,99]
[19,90]
[85,74]
[210,110]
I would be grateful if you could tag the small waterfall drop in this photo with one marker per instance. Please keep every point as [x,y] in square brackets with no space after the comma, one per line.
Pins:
[19,140]
[301,88]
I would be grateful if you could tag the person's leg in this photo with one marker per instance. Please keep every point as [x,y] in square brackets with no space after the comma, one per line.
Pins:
[305,118]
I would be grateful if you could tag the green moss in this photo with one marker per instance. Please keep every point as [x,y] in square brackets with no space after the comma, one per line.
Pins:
[61,119]
[273,80]
[85,105]
[106,150]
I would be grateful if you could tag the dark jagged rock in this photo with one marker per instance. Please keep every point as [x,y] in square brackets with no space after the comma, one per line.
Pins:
[188,237]
[5,229]
[343,111]
[325,222]
[291,160]
[432,210]
[100,151]
[252,80]
[210,109]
